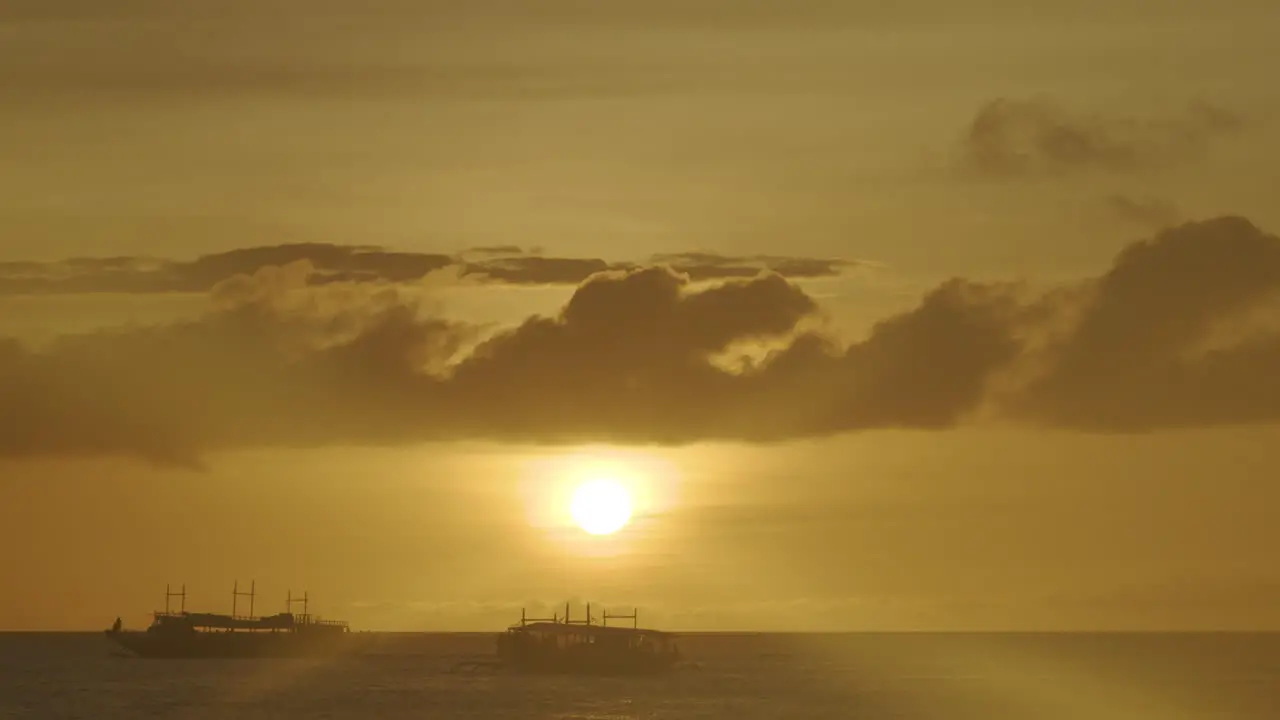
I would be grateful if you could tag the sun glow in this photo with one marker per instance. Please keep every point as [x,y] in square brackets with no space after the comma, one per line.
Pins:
[601,506]
[599,501]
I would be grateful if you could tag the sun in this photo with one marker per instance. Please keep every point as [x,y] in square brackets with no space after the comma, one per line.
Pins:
[601,506]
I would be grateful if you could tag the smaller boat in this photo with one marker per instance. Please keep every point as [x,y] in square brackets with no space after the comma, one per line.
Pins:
[561,645]
[184,634]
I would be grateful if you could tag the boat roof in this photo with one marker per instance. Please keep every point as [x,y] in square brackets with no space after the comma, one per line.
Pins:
[286,620]
[584,629]
[281,621]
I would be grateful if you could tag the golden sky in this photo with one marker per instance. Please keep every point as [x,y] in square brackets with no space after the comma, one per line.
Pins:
[890,318]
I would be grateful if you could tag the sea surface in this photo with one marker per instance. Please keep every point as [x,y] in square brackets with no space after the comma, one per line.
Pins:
[734,677]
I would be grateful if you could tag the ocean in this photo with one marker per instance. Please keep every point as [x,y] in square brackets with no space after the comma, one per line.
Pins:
[729,676]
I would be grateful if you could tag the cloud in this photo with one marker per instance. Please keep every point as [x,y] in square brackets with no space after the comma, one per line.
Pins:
[1181,331]
[1019,138]
[707,265]
[535,270]
[630,358]
[1148,348]
[367,264]
[501,250]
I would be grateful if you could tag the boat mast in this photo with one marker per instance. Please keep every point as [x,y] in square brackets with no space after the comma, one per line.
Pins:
[235,595]
[170,594]
[290,600]
[567,621]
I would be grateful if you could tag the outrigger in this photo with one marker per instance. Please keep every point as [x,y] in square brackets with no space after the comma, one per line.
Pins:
[182,634]
[562,645]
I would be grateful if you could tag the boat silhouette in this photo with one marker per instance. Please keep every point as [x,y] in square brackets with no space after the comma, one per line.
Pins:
[182,634]
[562,645]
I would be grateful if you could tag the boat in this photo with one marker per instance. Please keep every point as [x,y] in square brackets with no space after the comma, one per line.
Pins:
[182,634]
[562,645]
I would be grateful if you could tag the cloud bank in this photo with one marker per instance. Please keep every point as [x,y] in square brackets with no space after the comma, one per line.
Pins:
[366,264]
[1011,139]
[1178,332]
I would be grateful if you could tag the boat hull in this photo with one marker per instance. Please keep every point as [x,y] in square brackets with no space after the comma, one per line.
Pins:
[231,644]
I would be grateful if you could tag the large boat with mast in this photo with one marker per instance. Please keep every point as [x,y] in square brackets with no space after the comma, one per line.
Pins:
[182,634]
[562,645]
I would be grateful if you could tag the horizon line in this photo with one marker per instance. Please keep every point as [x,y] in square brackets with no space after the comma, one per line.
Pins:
[745,631]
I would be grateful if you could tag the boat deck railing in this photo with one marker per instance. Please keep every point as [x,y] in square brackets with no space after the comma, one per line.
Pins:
[314,620]
[297,620]
[186,614]
[589,620]
[281,621]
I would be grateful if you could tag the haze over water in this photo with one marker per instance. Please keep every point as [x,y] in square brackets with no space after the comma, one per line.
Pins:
[868,677]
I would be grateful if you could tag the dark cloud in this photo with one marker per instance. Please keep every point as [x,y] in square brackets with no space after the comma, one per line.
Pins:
[709,266]
[1174,334]
[630,358]
[1158,341]
[147,275]
[1012,138]
[501,250]
[535,270]
[355,263]
[927,368]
